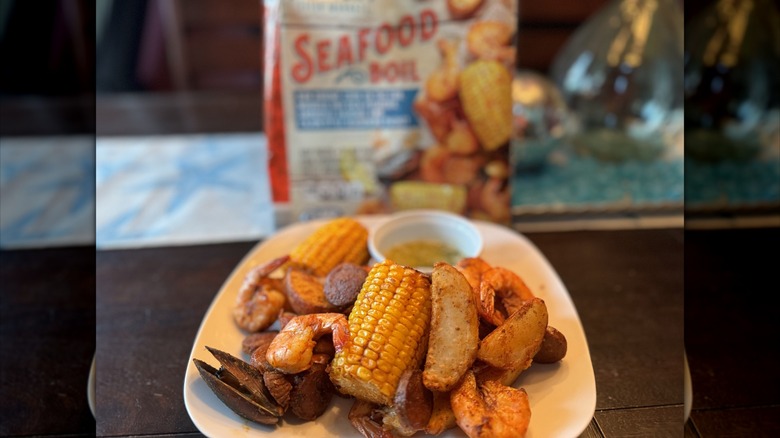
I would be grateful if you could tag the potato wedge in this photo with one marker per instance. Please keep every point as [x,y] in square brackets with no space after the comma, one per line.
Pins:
[504,376]
[454,333]
[515,343]
[442,417]
[305,293]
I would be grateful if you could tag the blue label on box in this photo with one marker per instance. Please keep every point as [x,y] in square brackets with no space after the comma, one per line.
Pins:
[354,109]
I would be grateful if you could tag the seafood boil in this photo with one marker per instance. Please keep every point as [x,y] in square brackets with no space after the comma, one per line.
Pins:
[381,336]
[378,106]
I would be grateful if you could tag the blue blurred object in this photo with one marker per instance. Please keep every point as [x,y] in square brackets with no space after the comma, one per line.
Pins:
[47,188]
[182,189]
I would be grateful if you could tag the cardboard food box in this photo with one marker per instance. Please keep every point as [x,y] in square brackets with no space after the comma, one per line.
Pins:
[375,106]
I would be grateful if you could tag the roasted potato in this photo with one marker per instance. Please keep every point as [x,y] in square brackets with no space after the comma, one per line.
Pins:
[504,376]
[515,343]
[442,417]
[553,347]
[454,334]
[305,293]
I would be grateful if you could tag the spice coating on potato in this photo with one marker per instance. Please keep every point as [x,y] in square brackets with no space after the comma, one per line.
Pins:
[553,347]
[305,293]
[517,340]
[454,335]
[442,417]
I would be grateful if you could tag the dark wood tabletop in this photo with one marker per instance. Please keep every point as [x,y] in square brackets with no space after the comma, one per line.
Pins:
[627,286]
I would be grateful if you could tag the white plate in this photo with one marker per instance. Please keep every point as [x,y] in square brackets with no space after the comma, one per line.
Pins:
[91,387]
[687,388]
[562,395]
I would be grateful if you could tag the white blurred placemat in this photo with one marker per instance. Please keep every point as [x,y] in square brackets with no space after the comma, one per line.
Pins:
[182,189]
[47,190]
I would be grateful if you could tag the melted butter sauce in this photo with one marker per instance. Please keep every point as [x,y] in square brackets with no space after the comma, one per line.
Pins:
[423,253]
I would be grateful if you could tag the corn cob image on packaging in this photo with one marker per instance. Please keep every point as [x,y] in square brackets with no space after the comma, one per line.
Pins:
[374,106]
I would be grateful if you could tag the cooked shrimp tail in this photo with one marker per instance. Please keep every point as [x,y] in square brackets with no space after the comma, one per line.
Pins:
[260,298]
[508,287]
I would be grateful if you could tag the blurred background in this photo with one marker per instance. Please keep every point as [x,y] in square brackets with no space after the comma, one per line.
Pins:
[599,94]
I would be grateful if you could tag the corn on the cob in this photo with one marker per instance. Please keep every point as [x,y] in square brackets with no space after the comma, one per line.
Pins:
[486,94]
[339,240]
[388,329]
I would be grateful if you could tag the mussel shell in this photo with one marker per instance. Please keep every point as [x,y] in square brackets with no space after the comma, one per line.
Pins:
[250,379]
[237,401]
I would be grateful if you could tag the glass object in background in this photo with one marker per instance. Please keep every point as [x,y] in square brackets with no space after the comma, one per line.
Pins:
[619,146]
[621,74]
[540,114]
[732,111]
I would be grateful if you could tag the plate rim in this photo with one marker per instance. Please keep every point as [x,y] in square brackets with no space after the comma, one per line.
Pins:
[91,387]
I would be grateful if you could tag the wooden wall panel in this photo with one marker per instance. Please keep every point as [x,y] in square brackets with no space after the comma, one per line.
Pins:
[558,12]
[228,13]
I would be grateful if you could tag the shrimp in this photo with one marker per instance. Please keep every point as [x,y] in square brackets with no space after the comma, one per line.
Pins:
[510,288]
[489,40]
[260,298]
[461,139]
[432,164]
[461,170]
[439,117]
[495,199]
[442,84]
[472,268]
[492,410]
[292,349]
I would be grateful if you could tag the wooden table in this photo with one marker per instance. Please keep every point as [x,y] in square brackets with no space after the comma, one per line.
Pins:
[627,286]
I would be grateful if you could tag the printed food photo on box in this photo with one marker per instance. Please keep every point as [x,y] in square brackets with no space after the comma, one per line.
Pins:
[374,106]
